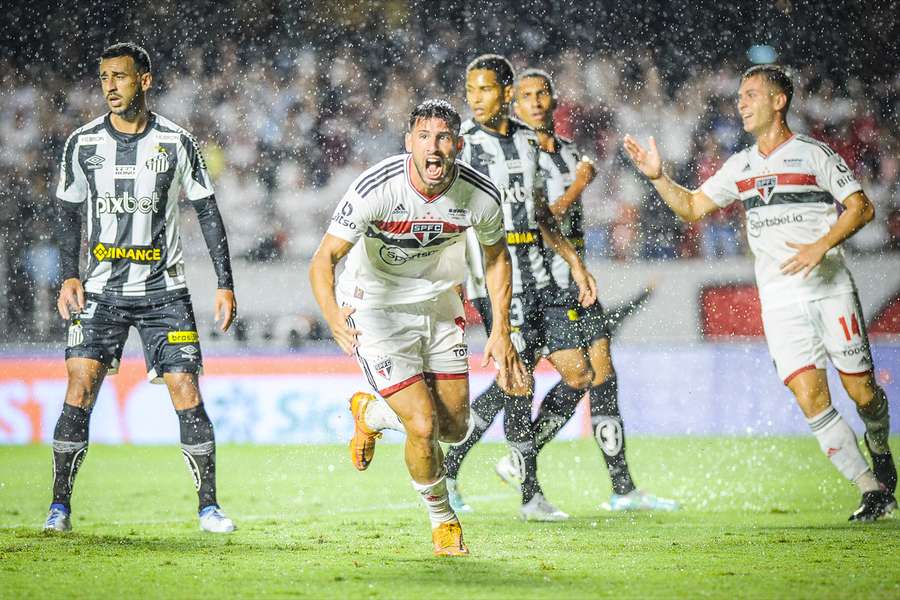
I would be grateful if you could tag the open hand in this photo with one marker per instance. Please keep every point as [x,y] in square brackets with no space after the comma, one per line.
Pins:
[647,160]
[343,334]
[806,259]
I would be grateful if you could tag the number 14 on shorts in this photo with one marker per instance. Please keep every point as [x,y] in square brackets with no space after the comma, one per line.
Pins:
[853,329]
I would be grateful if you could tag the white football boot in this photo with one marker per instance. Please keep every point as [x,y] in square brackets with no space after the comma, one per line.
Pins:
[637,500]
[540,509]
[58,519]
[214,520]
[509,472]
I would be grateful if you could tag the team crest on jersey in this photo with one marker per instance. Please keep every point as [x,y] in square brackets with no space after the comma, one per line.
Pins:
[384,367]
[485,158]
[92,163]
[426,232]
[160,162]
[764,187]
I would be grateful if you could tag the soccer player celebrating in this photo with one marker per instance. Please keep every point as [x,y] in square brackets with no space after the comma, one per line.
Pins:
[403,223]
[567,174]
[790,186]
[124,172]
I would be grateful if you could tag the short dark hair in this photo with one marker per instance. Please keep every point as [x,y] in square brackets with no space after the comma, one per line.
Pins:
[540,74]
[501,67]
[775,75]
[141,57]
[436,109]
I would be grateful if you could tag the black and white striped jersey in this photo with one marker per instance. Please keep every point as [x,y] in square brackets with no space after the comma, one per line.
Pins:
[130,185]
[511,162]
[558,171]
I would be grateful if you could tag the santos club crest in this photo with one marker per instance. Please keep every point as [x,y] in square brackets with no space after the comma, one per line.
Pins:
[426,232]
[764,187]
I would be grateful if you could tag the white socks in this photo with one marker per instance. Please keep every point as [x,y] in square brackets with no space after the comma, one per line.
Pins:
[838,442]
[436,500]
[379,415]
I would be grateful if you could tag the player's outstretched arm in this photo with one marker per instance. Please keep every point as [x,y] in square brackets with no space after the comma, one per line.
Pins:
[321,278]
[687,204]
[551,233]
[858,210]
[512,377]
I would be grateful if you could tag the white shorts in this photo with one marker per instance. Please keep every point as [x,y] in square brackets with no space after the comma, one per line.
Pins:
[398,345]
[802,336]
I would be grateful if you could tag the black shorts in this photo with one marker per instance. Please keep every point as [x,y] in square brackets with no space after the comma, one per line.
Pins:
[167,328]
[593,322]
[564,327]
[539,327]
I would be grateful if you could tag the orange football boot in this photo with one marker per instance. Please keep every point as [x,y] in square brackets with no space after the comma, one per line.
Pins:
[448,540]
[362,444]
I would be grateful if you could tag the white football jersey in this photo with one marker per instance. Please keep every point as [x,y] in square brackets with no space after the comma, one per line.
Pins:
[408,247]
[790,195]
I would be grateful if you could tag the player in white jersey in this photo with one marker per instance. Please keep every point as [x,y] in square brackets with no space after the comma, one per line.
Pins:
[791,186]
[567,172]
[402,225]
[124,172]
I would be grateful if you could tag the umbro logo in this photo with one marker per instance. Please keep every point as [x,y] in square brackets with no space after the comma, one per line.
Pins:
[92,163]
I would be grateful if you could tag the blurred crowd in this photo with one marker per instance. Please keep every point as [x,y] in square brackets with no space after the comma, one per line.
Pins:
[284,131]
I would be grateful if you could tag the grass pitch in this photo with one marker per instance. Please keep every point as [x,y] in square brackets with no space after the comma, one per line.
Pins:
[762,517]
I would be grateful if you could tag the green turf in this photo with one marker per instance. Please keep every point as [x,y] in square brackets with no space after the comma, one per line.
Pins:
[762,517]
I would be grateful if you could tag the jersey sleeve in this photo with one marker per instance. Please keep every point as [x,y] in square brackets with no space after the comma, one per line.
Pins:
[834,176]
[351,218]
[73,184]
[195,179]
[487,218]
[721,187]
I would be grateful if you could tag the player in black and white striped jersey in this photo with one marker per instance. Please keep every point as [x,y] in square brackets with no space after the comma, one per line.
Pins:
[122,174]
[507,151]
[567,172]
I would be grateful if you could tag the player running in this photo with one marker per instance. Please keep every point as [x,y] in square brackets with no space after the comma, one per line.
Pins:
[790,186]
[567,173]
[124,172]
[402,225]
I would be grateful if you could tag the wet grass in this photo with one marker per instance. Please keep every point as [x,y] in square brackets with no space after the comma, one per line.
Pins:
[762,517]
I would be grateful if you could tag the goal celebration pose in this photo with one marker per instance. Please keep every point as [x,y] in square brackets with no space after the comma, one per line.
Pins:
[402,226]
[791,186]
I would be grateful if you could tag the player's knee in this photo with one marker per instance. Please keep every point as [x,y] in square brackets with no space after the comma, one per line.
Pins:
[579,379]
[81,392]
[184,389]
[861,390]
[421,426]
[454,431]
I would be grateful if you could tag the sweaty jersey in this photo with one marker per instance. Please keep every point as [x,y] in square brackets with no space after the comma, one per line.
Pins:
[130,184]
[511,162]
[408,247]
[790,195]
[558,171]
